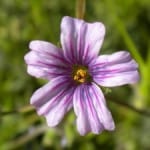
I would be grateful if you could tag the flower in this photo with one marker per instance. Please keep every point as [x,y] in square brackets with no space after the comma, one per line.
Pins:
[75,72]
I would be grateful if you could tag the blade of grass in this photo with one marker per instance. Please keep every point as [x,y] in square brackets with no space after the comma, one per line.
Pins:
[125,35]
[36,131]
[129,42]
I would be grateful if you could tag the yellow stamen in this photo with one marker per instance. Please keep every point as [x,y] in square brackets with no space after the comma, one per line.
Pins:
[80,75]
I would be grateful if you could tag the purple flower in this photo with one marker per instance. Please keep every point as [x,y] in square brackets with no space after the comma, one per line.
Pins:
[75,73]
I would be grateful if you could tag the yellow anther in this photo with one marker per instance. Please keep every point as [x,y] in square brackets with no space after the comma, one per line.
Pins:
[80,75]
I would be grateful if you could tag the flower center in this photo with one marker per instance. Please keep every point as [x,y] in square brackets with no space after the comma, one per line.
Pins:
[81,74]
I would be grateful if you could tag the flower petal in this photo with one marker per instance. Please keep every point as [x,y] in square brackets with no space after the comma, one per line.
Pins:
[80,109]
[45,60]
[91,110]
[45,48]
[100,106]
[55,109]
[114,70]
[44,66]
[48,91]
[81,41]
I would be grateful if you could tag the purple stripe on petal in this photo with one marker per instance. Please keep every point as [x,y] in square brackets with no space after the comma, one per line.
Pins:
[46,64]
[82,122]
[117,79]
[48,91]
[44,72]
[101,108]
[56,113]
[96,125]
[43,110]
[49,50]
[77,36]
[87,118]
[112,59]
[38,72]
[114,70]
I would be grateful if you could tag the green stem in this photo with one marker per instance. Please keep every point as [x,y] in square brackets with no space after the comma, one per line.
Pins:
[80,8]
[125,35]
[26,109]
[131,107]
[26,137]
[22,110]
[129,42]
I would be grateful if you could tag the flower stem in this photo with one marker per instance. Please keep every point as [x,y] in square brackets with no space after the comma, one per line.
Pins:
[131,107]
[22,110]
[80,8]
[28,108]
[17,143]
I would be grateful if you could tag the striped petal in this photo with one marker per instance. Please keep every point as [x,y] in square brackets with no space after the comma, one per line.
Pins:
[114,70]
[45,60]
[81,41]
[101,108]
[91,110]
[48,91]
[55,109]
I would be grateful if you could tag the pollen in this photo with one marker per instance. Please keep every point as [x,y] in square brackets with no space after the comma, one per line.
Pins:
[81,75]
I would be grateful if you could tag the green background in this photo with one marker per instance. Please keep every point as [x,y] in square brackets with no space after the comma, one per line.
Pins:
[127,28]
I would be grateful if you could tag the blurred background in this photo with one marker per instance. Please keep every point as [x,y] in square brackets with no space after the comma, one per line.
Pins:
[127,28]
